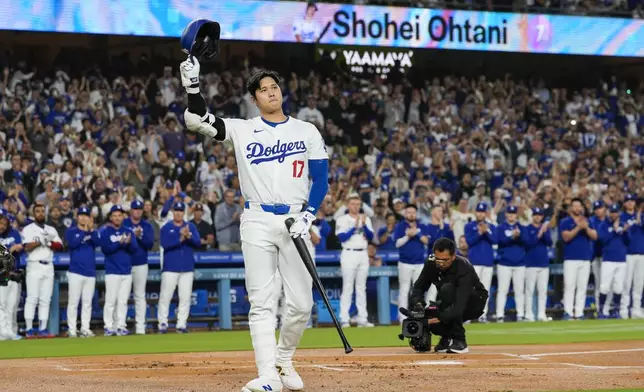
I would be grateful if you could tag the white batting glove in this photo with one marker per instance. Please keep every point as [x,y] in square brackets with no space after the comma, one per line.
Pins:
[190,75]
[302,225]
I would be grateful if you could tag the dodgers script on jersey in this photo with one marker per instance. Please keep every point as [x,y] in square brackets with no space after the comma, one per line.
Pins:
[273,161]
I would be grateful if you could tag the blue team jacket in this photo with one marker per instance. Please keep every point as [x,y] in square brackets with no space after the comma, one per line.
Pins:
[118,257]
[179,256]
[390,244]
[82,256]
[597,245]
[146,242]
[325,230]
[614,242]
[581,247]
[414,251]
[511,250]
[635,234]
[435,233]
[536,249]
[480,246]
[10,238]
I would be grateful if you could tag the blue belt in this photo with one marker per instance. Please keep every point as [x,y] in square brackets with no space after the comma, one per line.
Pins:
[355,250]
[44,262]
[276,209]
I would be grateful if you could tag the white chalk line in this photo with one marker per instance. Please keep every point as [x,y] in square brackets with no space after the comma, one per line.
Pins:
[626,350]
[328,368]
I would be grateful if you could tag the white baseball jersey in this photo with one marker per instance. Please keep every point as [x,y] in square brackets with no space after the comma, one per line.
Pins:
[44,233]
[307,29]
[273,160]
[358,240]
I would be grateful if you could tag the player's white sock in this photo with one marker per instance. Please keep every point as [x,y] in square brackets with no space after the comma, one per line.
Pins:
[43,324]
[29,324]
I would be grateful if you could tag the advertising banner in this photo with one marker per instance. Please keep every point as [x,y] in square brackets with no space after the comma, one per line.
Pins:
[337,24]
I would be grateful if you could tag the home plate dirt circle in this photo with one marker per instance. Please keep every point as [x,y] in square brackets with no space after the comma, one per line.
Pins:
[485,368]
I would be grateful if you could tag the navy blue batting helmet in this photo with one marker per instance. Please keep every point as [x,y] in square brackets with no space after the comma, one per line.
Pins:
[201,39]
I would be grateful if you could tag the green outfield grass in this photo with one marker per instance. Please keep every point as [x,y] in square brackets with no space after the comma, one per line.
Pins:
[478,334]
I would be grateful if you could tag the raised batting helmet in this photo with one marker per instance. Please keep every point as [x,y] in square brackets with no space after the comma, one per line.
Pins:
[201,39]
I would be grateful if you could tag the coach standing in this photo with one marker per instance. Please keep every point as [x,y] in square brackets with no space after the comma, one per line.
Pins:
[578,235]
[82,240]
[40,241]
[119,245]
[411,239]
[511,267]
[613,235]
[597,220]
[481,238]
[354,231]
[144,234]
[538,240]
[634,259]
[179,240]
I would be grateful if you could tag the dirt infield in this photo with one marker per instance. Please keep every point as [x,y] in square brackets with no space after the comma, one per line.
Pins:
[486,368]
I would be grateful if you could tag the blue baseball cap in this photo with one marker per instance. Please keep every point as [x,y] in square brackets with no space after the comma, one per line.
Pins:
[598,204]
[115,208]
[481,207]
[181,156]
[179,206]
[84,211]
[537,211]
[614,207]
[212,159]
[136,205]
[511,210]
[630,197]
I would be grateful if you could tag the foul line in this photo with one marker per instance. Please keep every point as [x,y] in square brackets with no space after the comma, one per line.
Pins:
[626,350]
[328,368]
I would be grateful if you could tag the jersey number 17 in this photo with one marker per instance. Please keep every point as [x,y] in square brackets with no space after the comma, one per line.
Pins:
[298,168]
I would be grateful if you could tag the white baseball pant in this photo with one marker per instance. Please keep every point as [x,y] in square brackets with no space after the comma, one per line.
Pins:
[408,275]
[79,287]
[613,278]
[268,248]
[117,293]
[355,270]
[596,267]
[634,284]
[505,274]
[485,276]
[169,282]
[576,275]
[139,282]
[9,301]
[278,306]
[536,277]
[40,287]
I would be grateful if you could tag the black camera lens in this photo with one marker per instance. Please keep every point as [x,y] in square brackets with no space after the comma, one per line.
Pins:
[412,328]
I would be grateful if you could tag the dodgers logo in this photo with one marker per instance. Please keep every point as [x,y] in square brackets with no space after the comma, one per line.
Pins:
[257,153]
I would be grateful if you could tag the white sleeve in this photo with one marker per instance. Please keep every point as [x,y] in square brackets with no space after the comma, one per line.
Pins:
[316,148]
[28,235]
[52,233]
[341,225]
[297,27]
[234,125]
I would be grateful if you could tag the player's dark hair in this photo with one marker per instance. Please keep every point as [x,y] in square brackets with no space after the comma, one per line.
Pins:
[574,199]
[252,85]
[412,205]
[444,244]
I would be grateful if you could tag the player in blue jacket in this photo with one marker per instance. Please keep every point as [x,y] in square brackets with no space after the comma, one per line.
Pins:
[411,238]
[144,234]
[437,228]
[511,264]
[598,218]
[613,235]
[385,234]
[538,240]
[9,294]
[119,245]
[578,234]
[81,240]
[179,240]
[481,237]
[634,280]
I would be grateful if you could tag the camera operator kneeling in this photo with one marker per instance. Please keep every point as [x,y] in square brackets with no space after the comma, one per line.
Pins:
[461,297]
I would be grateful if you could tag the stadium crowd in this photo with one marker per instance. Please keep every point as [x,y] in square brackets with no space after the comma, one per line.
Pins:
[617,8]
[449,148]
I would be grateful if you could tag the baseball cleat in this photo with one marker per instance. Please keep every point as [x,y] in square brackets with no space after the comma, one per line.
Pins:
[109,332]
[443,345]
[458,346]
[289,377]
[637,314]
[31,334]
[603,316]
[140,331]
[122,332]
[483,319]
[263,384]
[182,330]
[72,334]
[365,325]
[86,333]
[163,328]
[346,325]
[567,317]
[44,334]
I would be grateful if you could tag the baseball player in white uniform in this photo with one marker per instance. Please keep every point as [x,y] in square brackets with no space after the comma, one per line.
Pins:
[40,241]
[9,294]
[283,171]
[355,231]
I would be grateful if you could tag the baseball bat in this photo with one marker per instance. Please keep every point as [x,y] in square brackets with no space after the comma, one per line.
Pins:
[308,263]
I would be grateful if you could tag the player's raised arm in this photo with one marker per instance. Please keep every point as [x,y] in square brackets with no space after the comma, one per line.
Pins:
[196,115]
